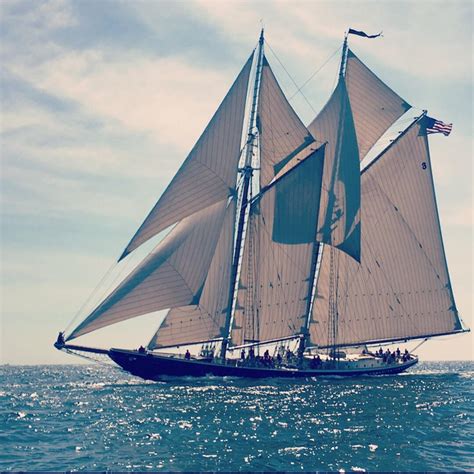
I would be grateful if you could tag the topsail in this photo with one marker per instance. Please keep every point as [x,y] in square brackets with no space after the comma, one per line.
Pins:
[283,136]
[359,111]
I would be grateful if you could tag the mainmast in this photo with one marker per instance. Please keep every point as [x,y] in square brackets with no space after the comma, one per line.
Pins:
[333,316]
[247,173]
[317,254]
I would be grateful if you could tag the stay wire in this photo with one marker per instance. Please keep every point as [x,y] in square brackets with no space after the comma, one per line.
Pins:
[291,78]
[88,300]
[310,78]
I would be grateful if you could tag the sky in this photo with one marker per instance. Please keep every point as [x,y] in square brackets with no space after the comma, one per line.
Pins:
[101,101]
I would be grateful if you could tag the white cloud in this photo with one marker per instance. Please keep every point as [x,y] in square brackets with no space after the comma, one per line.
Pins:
[168,97]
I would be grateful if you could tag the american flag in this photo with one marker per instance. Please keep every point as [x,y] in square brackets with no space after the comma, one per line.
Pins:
[436,126]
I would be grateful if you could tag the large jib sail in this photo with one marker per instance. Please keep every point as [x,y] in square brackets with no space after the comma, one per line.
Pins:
[172,275]
[359,111]
[203,321]
[401,288]
[209,172]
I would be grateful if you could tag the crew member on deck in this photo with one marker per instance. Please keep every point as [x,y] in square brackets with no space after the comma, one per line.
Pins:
[187,356]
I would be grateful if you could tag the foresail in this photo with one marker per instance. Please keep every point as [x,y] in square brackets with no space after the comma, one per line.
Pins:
[401,289]
[205,320]
[375,107]
[276,263]
[173,274]
[339,217]
[359,111]
[209,173]
[282,135]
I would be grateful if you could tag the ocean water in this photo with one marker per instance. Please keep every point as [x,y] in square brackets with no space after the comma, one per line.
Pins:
[100,418]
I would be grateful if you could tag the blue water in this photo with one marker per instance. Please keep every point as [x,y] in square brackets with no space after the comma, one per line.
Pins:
[100,418]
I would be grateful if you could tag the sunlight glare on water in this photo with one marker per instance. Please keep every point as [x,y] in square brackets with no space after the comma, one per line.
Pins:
[100,418]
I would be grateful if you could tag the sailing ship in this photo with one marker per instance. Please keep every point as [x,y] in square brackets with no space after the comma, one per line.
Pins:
[279,242]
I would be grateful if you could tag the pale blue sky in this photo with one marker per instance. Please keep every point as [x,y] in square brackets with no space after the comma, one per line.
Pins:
[102,100]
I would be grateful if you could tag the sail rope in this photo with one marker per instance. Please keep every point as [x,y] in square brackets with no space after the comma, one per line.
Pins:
[419,345]
[291,78]
[92,294]
[100,359]
[130,262]
[310,78]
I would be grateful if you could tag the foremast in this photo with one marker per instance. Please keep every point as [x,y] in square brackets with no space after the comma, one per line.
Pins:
[242,210]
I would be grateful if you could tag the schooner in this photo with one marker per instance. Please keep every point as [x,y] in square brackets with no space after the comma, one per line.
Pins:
[278,240]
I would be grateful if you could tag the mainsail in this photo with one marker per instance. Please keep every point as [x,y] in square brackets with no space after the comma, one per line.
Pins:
[173,274]
[209,172]
[275,278]
[401,288]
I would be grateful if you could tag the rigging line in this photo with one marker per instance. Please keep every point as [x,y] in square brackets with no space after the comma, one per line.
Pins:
[317,71]
[419,345]
[88,300]
[291,77]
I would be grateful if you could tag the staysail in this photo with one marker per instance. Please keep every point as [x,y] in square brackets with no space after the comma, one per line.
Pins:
[172,275]
[282,135]
[276,263]
[204,321]
[209,172]
[401,288]
[359,111]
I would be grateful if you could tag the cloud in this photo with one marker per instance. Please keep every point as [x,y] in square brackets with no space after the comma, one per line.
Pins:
[166,97]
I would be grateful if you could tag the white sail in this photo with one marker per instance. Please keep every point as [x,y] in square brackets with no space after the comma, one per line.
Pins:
[209,173]
[276,264]
[375,107]
[283,135]
[205,320]
[172,275]
[339,217]
[401,288]
[359,111]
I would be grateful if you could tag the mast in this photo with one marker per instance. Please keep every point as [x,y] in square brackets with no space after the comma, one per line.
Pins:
[334,268]
[247,173]
[318,248]
[342,68]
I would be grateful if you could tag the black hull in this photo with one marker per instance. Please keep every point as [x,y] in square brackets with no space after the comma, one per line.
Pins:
[155,367]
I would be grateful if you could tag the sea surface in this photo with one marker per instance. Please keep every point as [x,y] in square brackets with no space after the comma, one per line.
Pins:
[100,418]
